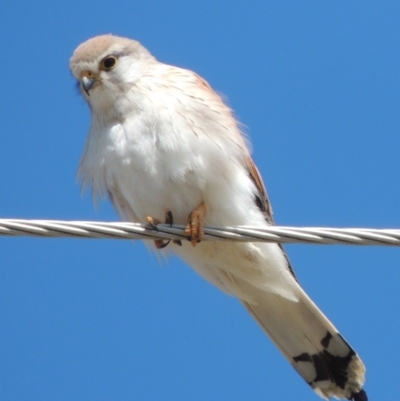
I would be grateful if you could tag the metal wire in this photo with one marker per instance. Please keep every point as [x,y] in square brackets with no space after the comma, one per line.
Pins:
[133,231]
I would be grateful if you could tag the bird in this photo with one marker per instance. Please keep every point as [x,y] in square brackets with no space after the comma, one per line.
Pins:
[165,147]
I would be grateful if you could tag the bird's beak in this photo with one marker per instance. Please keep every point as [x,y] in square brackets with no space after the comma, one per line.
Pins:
[89,80]
[87,83]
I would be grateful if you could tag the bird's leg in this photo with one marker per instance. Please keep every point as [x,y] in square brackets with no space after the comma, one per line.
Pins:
[194,229]
[160,243]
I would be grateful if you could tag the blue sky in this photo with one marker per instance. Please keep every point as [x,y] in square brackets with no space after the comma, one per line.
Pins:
[317,85]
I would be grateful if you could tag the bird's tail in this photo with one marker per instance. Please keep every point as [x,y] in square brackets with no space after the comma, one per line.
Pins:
[310,342]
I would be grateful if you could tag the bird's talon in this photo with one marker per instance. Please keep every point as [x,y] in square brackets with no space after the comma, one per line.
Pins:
[169,219]
[160,243]
[194,229]
[152,222]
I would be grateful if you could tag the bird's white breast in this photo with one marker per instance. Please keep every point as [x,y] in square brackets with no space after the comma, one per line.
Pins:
[160,162]
[173,153]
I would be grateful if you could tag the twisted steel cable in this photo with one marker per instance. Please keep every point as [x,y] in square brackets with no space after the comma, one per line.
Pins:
[133,231]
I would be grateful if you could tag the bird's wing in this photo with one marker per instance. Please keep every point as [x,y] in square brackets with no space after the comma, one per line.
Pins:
[262,199]
[263,203]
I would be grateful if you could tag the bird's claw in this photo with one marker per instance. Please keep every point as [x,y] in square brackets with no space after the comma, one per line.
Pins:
[194,229]
[169,219]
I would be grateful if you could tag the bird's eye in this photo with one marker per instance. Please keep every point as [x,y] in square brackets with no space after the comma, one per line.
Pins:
[108,63]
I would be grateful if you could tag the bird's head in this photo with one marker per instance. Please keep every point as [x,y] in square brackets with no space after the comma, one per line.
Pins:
[106,67]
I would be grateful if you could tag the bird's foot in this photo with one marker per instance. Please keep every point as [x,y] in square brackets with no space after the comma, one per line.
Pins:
[194,229]
[169,219]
